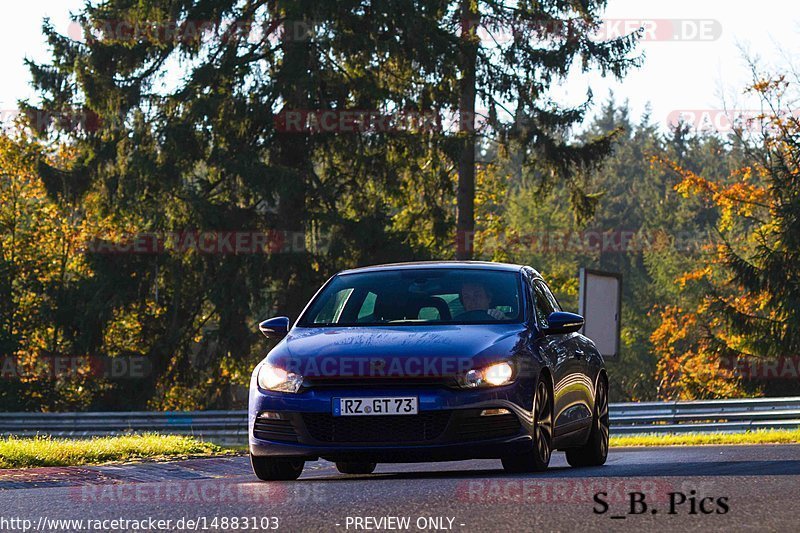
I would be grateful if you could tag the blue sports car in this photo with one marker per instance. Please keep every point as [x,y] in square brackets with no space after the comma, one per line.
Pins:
[428,362]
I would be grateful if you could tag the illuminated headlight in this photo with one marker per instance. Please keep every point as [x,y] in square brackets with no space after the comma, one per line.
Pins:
[490,376]
[277,379]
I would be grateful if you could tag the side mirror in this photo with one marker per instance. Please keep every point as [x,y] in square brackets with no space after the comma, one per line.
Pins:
[275,328]
[562,322]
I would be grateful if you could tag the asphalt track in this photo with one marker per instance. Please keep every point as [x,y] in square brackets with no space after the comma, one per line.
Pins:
[733,488]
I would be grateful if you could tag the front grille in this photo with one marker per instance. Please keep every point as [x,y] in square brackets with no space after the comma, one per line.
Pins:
[472,426]
[274,430]
[378,382]
[421,427]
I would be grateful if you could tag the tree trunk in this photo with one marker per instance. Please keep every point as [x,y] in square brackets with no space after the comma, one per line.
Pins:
[291,153]
[465,199]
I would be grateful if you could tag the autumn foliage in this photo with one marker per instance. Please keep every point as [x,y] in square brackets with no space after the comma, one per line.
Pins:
[741,295]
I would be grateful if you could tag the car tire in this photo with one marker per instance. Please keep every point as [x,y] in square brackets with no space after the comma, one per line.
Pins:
[349,467]
[276,469]
[538,458]
[595,451]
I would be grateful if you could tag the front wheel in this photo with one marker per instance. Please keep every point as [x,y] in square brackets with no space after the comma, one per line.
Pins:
[276,469]
[595,451]
[537,459]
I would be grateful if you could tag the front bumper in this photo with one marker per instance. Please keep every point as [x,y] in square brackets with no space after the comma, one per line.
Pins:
[449,425]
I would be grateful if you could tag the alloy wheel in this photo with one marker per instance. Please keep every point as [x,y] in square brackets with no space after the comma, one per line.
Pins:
[602,419]
[543,430]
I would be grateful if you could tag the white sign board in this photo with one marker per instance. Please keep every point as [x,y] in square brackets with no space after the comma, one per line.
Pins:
[600,303]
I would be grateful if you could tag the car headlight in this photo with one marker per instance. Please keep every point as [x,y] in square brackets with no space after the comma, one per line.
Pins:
[493,375]
[277,379]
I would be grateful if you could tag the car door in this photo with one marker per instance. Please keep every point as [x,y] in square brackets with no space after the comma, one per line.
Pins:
[554,350]
[572,388]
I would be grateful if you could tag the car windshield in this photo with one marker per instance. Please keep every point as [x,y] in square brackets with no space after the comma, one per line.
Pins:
[419,297]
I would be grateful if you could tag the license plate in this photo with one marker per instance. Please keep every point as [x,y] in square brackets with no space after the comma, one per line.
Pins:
[374,406]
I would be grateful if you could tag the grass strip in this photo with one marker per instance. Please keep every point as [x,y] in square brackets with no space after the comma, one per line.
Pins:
[45,451]
[761,436]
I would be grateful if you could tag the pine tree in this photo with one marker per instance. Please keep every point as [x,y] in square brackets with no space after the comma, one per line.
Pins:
[740,302]
[189,98]
[511,59]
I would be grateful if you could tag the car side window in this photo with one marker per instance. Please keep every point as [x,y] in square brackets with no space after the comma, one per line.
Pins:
[549,295]
[542,305]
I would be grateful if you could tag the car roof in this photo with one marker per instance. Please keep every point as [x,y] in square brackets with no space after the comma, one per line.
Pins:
[477,265]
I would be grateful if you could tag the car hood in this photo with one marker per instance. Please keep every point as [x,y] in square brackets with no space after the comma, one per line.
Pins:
[394,350]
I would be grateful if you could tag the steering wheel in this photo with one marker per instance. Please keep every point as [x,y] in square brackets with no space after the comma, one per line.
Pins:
[476,315]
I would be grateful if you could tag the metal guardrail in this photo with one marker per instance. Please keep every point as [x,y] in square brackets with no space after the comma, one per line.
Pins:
[702,416]
[229,428]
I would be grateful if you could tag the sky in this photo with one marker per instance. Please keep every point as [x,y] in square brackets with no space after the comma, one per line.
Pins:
[693,54]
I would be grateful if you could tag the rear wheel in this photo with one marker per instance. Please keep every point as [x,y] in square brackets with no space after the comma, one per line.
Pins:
[349,467]
[537,459]
[276,469]
[595,451]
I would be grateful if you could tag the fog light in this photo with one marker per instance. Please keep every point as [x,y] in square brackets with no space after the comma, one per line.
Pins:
[495,412]
[269,415]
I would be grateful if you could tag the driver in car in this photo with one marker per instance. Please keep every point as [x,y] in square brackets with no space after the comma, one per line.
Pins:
[475,297]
